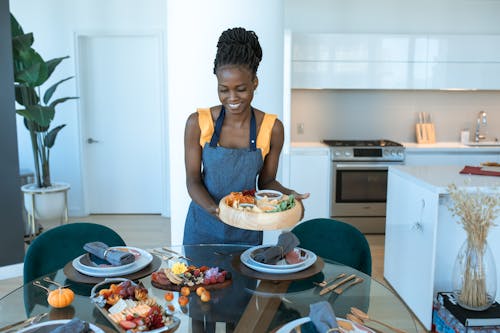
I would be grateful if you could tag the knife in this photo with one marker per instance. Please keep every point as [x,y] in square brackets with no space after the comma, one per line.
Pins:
[334,286]
[24,322]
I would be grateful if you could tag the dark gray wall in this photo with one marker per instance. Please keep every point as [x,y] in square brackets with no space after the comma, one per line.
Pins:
[11,223]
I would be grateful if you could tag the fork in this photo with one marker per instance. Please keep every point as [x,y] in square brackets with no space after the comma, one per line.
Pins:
[162,256]
[340,290]
[325,282]
[57,284]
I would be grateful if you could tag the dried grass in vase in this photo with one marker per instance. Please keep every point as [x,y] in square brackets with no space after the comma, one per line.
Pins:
[477,212]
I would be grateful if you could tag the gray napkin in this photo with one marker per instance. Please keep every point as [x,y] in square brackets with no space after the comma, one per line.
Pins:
[287,241]
[114,257]
[322,316]
[75,325]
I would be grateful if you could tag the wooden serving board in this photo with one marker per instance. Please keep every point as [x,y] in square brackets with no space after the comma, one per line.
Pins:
[175,287]
[249,220]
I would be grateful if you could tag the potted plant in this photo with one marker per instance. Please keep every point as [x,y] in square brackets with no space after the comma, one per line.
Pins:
[43,199]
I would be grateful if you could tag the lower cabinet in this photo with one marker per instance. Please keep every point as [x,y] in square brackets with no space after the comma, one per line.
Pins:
[310,172]
[422,241]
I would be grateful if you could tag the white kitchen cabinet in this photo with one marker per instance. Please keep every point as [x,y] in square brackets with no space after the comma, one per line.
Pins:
[310,172]
[410,244]
[395,61]
[422,237]
[358,61]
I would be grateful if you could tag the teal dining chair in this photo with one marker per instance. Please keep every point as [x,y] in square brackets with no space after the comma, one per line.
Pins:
[337,241]
[57,246]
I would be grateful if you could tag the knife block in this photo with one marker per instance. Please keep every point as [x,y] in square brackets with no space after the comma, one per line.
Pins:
[425,133]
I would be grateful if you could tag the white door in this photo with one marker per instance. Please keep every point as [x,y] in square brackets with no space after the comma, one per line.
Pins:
[120,94]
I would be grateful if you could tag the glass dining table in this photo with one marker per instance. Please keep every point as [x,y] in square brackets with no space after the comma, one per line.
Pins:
[252,302]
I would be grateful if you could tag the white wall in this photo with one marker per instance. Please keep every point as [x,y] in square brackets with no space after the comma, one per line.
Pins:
[193,30]
[54,24]
[373,114]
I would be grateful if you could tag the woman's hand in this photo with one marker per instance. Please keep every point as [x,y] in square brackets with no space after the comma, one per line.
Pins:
[299,196]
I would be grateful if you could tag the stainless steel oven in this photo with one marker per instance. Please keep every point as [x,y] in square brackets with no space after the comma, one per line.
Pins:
[359,181]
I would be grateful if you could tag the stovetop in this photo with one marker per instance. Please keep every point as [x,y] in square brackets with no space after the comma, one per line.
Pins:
[362,143]
[366,150]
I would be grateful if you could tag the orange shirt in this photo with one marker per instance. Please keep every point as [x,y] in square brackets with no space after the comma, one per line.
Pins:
[206,124]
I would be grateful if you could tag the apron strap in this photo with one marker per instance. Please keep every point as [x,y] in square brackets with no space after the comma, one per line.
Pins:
[218,127]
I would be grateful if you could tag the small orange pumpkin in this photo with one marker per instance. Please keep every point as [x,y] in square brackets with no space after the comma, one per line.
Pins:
[61,297]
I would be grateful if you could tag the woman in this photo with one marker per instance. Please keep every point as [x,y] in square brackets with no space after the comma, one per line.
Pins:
[228,146]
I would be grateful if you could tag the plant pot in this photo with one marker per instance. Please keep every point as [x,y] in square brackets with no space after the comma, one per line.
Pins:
[49,202]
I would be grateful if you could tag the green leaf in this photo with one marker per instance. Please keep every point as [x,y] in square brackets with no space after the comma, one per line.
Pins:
[22,42]
[41,115]
[53,63]
[32,126]
[50,138]
[49,92]
[26,95]
[34,75]
[15,27]
[60,100]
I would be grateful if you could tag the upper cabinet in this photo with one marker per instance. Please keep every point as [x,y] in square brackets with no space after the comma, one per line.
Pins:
[395,61]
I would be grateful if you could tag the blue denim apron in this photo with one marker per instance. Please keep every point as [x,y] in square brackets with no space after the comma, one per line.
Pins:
[225,170]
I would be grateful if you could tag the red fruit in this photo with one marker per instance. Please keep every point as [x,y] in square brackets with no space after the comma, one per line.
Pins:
[127,324]
[196,272]
[213,279]
[185,291]
[220,278]
[183,300]
[130,317]
[206,281]
[169,296]
[205,296]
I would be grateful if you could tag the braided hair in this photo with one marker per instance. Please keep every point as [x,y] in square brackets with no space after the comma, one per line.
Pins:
[238,46]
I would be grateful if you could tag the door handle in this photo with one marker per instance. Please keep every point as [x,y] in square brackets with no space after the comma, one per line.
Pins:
[90,141]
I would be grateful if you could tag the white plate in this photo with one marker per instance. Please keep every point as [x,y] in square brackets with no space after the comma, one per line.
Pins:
[290,327]
[143,258]
[86,261]
[247,261]
[50,325]
[280,264]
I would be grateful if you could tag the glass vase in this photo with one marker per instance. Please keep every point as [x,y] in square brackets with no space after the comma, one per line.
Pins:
[474,276]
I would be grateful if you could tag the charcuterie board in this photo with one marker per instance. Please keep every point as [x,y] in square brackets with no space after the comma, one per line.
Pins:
[252,220]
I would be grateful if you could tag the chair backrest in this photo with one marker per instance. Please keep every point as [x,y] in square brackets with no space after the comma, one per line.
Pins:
[57,246]
[336,240]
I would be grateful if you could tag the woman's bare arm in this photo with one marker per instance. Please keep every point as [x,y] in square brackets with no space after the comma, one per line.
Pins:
[192,158]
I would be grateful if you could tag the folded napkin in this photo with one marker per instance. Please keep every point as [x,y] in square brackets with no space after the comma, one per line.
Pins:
[323,317]
[287,241]
[113,256]
[473,170]
[75,325]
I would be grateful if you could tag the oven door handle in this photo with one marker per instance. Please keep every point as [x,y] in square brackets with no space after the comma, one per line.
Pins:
[364,166]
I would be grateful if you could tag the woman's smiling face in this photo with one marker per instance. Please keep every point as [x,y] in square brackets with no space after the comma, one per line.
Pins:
[236,86]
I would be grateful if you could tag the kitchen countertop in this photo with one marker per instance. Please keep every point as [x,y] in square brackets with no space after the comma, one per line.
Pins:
[437,178]
[413,147]
[311,144]
[441,147]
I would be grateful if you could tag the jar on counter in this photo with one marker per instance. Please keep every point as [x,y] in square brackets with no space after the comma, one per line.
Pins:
[465,136]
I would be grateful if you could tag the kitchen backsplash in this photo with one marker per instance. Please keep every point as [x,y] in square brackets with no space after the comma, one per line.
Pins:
[389,114]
